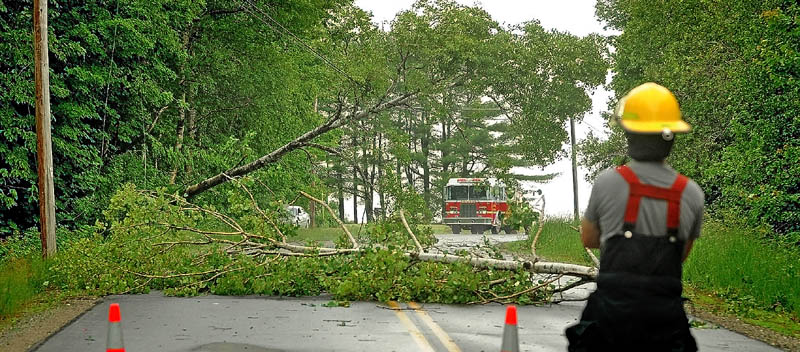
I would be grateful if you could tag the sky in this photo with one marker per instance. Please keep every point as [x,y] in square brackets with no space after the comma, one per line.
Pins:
[573,16]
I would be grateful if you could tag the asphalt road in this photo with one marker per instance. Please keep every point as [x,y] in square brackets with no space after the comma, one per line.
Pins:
[476,244]
[469,240]
[216,324]
[154,322]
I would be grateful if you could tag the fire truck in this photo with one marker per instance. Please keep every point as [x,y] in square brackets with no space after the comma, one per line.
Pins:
[477,204]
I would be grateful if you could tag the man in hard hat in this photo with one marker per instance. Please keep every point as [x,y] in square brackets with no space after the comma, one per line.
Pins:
[644,216]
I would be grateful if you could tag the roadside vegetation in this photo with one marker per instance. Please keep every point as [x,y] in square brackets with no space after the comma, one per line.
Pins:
[558,242]
[757,279]
[21,279]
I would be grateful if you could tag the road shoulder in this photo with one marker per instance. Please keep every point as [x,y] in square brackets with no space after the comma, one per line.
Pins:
[735,324]
[33,328]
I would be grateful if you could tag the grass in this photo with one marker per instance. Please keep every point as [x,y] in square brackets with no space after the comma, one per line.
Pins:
[21,279]
[730,271]
[734,264]
[557,242]
[781,322]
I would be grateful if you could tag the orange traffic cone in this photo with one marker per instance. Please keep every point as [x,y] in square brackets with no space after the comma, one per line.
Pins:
[510,340]
[114,341]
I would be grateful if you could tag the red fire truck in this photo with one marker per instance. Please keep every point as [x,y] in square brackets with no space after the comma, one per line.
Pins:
[477,204]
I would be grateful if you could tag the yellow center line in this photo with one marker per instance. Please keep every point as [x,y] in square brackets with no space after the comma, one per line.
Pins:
[446,340]
[417,335]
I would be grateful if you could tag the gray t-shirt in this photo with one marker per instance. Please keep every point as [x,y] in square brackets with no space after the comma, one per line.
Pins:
[610,197]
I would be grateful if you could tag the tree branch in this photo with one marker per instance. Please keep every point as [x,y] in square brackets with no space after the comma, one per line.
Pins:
[405,223]
[349,235]
[298,142]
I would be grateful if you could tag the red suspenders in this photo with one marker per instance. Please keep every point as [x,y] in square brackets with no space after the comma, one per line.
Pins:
[638,190]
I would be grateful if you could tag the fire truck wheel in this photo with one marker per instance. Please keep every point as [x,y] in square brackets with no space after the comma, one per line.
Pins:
[495,230]
[456,229]
[477,229]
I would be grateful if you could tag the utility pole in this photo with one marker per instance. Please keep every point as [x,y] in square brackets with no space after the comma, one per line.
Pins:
[44,151]
[575,211]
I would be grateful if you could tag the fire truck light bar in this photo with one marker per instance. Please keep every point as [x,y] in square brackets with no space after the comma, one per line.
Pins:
[470,179]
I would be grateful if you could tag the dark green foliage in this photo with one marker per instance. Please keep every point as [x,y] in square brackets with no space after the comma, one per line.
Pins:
[734,68]
[109,66]
[141,90]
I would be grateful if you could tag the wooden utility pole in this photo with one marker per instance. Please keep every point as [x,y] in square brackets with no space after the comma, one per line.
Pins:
[575,210]
[44,152]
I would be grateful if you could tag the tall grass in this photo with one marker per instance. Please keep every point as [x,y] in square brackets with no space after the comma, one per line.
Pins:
[737,264]
[558,242]
[20,280]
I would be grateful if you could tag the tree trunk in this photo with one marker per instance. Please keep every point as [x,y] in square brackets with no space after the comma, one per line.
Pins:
[409,177]
[426,166]
[312,209]
[381,194]
[191,125]
[179,139]
[340,186]
[355,180]
[445,153]
[399,174]
[373,161]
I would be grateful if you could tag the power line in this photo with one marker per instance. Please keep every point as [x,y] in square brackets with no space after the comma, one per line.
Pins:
[283,30]
[593,128]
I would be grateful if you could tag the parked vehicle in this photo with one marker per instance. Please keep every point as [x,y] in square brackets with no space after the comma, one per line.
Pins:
[297,216]
[477,204]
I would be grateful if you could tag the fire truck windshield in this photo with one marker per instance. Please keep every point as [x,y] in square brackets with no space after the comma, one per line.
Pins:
[457,193]
[479,192]
[468,193]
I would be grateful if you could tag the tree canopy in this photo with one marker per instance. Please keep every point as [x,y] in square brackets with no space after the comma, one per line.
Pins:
[733,68]
[186,95]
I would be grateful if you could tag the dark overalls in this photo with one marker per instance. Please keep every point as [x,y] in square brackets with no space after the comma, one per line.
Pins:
[637,305]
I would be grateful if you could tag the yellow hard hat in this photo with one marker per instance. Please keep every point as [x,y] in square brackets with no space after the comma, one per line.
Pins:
[650,109]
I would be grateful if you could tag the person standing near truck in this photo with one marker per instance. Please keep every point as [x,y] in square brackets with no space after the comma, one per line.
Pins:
[645,217]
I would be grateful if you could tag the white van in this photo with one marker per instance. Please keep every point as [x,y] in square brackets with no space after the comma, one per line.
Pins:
[297,216]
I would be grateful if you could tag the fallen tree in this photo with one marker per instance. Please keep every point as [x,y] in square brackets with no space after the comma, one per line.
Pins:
[156,240]
[248,245]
